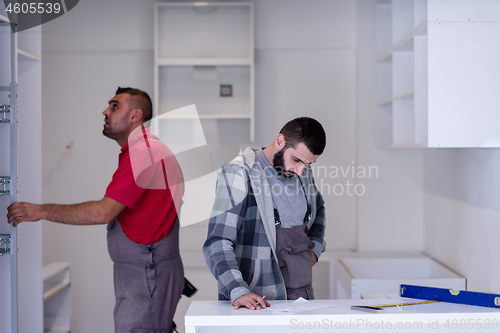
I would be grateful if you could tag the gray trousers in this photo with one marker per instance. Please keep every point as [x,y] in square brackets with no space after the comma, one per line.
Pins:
[148,281]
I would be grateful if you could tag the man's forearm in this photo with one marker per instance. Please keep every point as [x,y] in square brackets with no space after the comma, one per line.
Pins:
[86,213]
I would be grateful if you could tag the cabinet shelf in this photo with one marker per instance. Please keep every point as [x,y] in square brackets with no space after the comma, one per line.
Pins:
[53,269]
[199,5]
[206,116]
[4,20]
[56,278]
[58,330]
[395,98]
[404,146]
[56,289]
[199,47]
[204,61]
[403,42]
[51,283]
[26,56]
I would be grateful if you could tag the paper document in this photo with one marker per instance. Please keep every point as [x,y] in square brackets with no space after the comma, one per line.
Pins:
[297,306]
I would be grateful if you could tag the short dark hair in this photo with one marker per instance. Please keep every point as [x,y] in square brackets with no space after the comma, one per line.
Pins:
[140,100]
[306,130]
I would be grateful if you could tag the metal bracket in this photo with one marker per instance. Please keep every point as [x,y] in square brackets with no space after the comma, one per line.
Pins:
[4,109]
[4,185]
[4,244]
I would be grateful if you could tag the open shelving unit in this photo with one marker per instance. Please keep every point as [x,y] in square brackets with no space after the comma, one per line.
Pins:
[433,85]
[56,278]
[401,37]
[198,48]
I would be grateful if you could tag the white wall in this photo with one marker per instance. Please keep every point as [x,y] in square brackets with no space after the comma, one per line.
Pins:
[462,213]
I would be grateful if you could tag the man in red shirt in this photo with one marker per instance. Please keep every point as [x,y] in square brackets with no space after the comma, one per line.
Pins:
[141,209]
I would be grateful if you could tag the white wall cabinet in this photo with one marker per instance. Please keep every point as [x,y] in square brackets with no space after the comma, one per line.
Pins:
[21,308]
[198,48]
[437,70]
[56,278]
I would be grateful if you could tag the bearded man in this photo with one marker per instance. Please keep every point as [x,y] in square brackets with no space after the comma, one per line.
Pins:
[267,225]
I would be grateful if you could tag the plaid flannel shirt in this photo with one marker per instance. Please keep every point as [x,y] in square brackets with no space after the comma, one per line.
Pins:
[240,249]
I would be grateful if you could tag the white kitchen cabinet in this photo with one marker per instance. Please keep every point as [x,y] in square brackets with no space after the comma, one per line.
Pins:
[199,48]
[357,276]
[21,308]
[437,74]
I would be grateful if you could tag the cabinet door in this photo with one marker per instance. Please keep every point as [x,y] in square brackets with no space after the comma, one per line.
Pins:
[464,76]
[8,289]
[20,155]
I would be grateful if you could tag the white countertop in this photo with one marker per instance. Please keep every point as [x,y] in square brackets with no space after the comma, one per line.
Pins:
[221,313]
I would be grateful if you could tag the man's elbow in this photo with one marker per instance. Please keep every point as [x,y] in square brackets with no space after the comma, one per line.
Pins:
[106,210]
[103,218]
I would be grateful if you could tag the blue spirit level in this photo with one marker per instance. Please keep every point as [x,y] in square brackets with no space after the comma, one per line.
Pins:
[450,296]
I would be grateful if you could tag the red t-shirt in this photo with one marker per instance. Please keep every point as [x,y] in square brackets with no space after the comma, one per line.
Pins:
[149,182]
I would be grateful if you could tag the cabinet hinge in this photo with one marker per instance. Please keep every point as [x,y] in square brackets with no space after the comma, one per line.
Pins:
[4,244]
[4,109]
[4,185]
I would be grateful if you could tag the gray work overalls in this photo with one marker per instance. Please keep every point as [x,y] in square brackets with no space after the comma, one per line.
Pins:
[293,250]
[148,281]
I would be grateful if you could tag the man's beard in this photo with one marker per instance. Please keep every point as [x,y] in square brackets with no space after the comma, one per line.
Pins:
[106,132]
[109,133]
[115,131]
[279,164]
